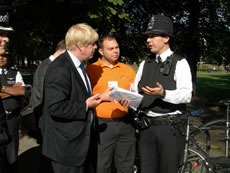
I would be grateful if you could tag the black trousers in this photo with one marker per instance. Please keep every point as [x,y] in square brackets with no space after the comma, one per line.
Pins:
[12,147]
[160,149]
[116,142]
[49,166]
[4,165]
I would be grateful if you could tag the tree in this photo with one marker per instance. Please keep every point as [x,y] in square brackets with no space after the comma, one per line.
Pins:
[40,24]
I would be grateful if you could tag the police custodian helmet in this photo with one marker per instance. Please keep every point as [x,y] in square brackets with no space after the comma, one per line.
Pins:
[4,18]
[160,24]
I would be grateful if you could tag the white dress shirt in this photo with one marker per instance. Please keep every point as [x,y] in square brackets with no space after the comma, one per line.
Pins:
[77,64]
[52,58]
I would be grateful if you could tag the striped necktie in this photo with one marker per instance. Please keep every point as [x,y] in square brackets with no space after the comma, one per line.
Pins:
[86,79]
[89,92]
[159,59]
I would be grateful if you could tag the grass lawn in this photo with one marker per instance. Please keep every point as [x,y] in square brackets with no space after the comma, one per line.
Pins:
[213,86]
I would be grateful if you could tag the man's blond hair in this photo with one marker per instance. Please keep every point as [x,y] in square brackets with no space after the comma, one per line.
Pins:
[80,35]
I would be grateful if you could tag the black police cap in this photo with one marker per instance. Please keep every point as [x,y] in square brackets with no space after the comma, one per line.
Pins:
[160,24]
[4,18]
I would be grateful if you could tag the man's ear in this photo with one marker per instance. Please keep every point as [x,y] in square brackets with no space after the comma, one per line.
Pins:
[167,39]
[100,51]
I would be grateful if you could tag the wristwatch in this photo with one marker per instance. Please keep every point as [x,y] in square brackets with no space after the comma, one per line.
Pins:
[163,94]
[3,88]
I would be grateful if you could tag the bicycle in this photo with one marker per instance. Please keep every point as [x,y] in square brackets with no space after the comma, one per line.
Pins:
[196,159]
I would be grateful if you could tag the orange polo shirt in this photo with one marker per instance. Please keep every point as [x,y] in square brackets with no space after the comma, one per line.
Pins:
[100,75]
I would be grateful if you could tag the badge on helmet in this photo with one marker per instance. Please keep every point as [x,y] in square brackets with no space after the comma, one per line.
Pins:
[160,25]
[4,18]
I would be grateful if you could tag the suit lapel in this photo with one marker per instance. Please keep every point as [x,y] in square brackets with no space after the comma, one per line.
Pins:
[77,75]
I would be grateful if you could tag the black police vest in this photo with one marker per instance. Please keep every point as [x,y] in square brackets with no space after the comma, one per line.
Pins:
[163,73]
[11,104]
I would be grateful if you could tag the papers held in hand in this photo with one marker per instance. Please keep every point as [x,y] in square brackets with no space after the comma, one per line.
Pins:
[135,98]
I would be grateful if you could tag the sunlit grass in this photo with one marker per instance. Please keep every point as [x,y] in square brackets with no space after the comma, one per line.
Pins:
[213,86]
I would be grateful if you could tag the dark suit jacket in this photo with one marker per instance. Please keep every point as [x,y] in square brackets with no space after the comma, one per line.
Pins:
[35,106]
[65,124]
[38,83]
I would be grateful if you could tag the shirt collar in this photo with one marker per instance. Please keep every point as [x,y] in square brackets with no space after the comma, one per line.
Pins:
[75,60]
[166,54]
[103,65]
[51,57]
[5,70]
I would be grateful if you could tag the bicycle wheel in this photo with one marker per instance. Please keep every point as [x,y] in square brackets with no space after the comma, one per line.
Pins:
[197,162]
[214,124]
[202,134]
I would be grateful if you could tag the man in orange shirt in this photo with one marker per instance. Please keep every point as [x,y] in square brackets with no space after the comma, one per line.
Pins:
[116,134]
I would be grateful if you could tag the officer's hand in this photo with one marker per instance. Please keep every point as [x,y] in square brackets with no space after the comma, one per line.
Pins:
[157,91]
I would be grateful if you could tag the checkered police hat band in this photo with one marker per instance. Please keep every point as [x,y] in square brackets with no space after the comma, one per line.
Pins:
[4,19]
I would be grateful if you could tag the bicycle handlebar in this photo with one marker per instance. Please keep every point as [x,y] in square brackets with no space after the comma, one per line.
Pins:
[196,113]
[225,102]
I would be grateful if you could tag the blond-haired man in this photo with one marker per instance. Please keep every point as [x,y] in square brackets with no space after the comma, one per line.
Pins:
[67,112]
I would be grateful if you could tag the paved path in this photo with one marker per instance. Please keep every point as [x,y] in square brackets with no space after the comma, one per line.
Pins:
[29,155]
[29,150]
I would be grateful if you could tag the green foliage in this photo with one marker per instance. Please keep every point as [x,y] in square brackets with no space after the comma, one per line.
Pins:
[109,13]
[46,22]
[116,2]
[112,10]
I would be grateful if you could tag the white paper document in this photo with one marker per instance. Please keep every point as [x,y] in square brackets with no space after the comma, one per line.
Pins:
[135,98]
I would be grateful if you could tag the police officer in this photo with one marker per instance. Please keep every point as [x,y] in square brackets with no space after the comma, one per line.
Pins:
[12,87]
[4,29]
[164,79]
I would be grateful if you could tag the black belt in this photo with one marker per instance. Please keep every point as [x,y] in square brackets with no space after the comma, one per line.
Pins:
[178,121]
[120,119]
[165,120]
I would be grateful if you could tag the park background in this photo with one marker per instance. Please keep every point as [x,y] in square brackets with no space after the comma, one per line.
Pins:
[202,35]
[201,27]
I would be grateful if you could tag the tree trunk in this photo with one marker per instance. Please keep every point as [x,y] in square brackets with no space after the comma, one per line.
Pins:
[192,48]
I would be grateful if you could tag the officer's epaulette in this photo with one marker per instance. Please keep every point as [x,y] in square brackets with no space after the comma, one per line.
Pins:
[150,58]
[13,68]
[179,57]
